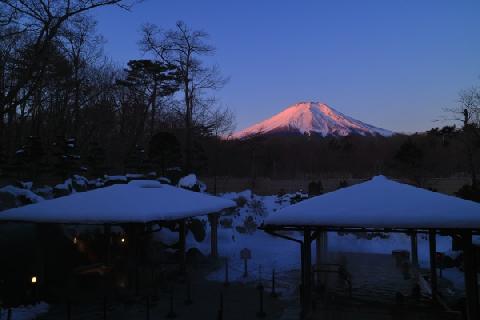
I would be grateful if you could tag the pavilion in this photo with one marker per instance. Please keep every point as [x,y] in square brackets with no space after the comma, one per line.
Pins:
[383,205]
[135,206]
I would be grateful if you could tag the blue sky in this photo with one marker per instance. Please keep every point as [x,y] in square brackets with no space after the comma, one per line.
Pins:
[393,64]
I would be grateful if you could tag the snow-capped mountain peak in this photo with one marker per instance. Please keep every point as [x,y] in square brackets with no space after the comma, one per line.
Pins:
[311,118]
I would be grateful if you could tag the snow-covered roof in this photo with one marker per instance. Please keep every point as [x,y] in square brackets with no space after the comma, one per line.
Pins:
[138,201]
[381,203]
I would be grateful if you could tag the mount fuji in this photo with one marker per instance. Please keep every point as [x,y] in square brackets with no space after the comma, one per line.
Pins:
[311,118]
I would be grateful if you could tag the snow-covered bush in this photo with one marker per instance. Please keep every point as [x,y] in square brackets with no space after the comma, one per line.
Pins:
[191,182]
[298,197]
[241,201]
[45,192]
[79,183]
[249,226]
[257,207]
[63,189]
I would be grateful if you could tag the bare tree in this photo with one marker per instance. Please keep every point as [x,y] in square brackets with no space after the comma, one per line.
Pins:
[184,48]
[468,112]
[42,21]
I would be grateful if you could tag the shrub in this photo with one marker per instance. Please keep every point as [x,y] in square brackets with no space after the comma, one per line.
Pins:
[257,207]
[241,201]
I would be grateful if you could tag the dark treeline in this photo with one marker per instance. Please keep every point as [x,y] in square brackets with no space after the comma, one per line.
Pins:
[417,156]
[65,109]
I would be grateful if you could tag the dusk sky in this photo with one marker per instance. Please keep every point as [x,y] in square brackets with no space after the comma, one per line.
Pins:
[392,64]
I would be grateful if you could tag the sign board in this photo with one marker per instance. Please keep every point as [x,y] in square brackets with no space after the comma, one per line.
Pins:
[245,254]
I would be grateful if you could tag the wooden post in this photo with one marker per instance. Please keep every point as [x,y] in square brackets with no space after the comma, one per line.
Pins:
[433,262]
[182,251]
[107,235]
[307,265]
[318,249]
[226,283]
[302,281]
[136,230]
[41,263]
[213,235]
[321,246]
[131,231]
[414,242]
[471,277]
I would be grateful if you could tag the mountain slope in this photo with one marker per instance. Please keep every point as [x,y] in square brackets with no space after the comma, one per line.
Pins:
[311,118]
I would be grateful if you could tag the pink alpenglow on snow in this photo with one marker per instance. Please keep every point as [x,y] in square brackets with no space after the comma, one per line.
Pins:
[311,118]
[138,201]
[381,203]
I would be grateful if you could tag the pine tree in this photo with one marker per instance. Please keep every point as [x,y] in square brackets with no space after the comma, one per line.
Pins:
[135,160]
[164,152]
[66,157]
[96,160]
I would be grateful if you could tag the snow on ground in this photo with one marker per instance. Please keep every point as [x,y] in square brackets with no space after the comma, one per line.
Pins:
[25,312]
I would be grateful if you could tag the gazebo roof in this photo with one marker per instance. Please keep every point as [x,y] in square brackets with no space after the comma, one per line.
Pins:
[381,203]
[136,202]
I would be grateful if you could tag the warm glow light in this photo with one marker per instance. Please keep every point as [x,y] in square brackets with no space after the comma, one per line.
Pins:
[123,240]
[74,240]
[34,279]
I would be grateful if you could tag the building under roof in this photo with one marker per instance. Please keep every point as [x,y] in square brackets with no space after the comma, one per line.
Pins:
[381,204]
[132,206]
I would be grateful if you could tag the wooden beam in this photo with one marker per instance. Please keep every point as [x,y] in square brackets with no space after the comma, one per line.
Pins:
[471,277]
[433,262]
